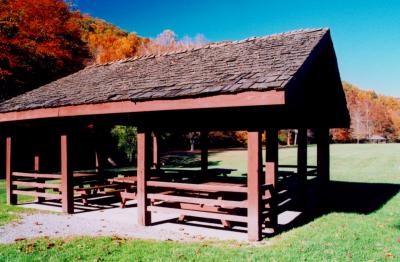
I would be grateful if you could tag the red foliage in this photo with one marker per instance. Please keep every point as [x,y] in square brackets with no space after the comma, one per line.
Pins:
[39,41]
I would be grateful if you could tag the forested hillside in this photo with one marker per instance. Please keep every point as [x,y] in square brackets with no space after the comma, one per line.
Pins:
[371,114]
[43,40]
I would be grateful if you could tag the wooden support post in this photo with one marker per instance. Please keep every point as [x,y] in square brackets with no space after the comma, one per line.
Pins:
[271,157]
[322,135]
[100,161]
[36,162]
[254,170]
[271,175]
[11,198]
[156,151]
[97,161]
[98,144]
[204,151]
[302,161]
[143,173]
[302,153]
[36,168]
[66,178]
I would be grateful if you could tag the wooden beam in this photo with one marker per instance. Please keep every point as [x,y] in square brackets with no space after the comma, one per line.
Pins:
[36,194]
[244,99]
[36,184]
[202,214]
[199,187]
[66,178]
[80,175]
[143,173]
[11,198]
[254,170]
[200,201]
[204,151]
[323,140]
[36,175]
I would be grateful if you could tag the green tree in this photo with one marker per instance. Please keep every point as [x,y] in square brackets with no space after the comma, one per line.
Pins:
[126,140]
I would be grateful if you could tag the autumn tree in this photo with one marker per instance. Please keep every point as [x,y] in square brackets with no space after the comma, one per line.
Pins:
[341,134]
[371,114]
[39,41]
[107,42]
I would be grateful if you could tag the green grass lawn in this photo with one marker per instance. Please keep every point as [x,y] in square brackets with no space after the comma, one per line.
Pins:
[9,213]
[343,235]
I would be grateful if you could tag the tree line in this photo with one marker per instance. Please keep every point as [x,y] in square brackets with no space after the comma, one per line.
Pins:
[43,40]
[371,114]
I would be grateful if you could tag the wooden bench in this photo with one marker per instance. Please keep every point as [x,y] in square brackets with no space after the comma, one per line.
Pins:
[128,188]
[128,191]
[207,199]
[96,190]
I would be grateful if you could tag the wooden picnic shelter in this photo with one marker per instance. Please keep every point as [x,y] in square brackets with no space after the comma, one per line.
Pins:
[262,84]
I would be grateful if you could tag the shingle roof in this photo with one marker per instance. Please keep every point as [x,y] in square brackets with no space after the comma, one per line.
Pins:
[263,63]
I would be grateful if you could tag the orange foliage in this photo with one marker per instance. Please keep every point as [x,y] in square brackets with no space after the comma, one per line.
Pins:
[107,42]
[39,41]
[43,40]
[341,134]
[370,114]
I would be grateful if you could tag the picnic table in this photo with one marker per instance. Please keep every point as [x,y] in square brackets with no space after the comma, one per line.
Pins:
[210,200]
[129,188]
[214,206]
[89,184]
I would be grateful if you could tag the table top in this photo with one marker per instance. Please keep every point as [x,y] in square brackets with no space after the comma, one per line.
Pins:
[126,179]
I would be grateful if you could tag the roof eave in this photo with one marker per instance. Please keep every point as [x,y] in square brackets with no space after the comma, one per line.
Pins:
[243,99]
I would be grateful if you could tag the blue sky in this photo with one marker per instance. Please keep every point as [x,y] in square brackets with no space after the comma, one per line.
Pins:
[366,34]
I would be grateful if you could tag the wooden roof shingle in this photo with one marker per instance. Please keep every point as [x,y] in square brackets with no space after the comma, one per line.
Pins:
[254,64]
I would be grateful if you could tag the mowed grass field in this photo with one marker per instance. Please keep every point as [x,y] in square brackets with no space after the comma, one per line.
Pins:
[363,226]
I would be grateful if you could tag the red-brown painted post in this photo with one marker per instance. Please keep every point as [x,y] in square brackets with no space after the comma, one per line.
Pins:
[271,157]
[271,174]
[204,152]
[302,153]
[302,161]
[156,151]
[36,168]
[97,161]
[322,135]
[66,178]
[36,162]
[143,173]
[254,170]
[98,140]
[11,198]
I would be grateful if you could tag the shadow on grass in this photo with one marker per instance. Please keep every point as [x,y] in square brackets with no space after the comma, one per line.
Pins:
[343,197]
[360,198]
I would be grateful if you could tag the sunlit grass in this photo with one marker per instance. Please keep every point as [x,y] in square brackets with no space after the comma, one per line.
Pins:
[336,236]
